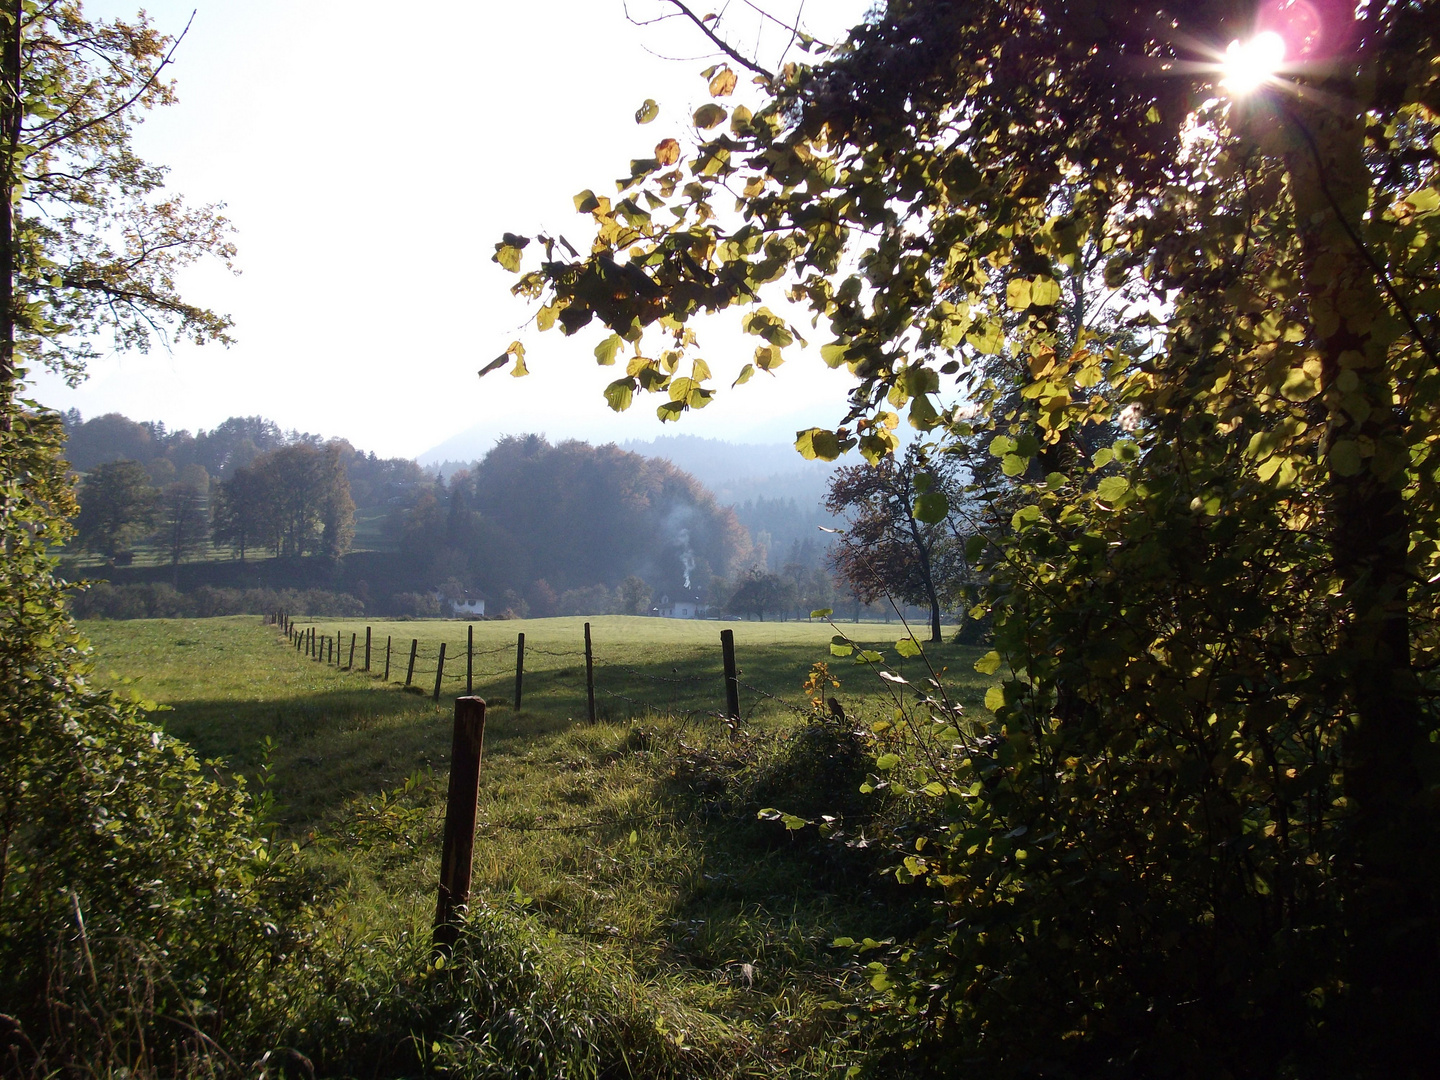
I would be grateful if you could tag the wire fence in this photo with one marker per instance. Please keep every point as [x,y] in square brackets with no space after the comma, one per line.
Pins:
[704,687]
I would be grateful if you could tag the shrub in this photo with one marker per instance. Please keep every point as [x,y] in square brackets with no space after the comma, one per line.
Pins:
[140,913]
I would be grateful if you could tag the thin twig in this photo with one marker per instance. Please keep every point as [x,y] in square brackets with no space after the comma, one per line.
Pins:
[719,42]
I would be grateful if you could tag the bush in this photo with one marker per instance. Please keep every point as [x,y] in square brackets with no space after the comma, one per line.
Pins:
[141,916]
[101,600]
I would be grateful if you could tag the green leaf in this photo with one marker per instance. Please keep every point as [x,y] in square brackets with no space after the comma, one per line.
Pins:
[1001,445]
[989,338]
[647,112]
[931,507]
[620,393]
[974,548]
[744,376]
[1017,294]
[907,647]
[1345,458]
[988,664]
[1425,201]
[606,350]
[671,410]
[1045,292]
[709,115]
[994,698]
[586,202]
[886,762]
[1112,487]
[834,353]
[1014,464]
[841,648]
[817,443]
[821,613]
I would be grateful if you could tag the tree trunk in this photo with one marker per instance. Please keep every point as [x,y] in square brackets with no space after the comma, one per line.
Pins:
[11,114]
[1391,907]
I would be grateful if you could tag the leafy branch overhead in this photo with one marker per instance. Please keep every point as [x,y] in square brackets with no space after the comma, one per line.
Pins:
[92,243]
[1191,315]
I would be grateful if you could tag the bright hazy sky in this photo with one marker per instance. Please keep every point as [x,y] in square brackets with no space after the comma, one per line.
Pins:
[370,160]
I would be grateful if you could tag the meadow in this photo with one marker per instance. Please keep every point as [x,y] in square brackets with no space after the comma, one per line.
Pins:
[629,853]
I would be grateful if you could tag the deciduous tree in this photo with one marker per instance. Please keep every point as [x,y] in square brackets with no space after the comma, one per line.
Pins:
[118,505]
[89,241]
[1200,835]
[898,544]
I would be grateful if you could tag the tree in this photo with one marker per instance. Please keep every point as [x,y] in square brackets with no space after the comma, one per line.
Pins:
[895,545]
[634,596]
[759,591]
[301,497]
[118,506]
[1219,632]
[87,241]
[238,514]
[102,816]
[184,515]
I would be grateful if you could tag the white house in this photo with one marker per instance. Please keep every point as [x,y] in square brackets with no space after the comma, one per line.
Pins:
[461,606]
[686,607]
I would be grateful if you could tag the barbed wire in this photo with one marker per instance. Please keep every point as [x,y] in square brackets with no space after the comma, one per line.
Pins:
[456,662]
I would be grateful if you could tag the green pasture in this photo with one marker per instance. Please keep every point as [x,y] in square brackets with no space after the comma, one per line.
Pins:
[631,846]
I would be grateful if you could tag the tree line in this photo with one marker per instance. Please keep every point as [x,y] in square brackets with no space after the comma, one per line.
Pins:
[294,500]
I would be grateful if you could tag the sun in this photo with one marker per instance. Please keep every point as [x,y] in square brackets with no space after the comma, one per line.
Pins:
[1251,64]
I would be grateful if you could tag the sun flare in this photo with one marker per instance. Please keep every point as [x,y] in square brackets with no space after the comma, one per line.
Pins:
[1250,64]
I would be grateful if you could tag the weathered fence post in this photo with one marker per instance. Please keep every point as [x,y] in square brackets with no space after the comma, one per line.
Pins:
[732,679]
[589,674]
[461,807]
[351,665]
[367,648]
[387,658]
[519,669]
[470,659]
[439,670]
[410,671]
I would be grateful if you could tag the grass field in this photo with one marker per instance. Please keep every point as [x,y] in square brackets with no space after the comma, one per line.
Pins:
[631,846]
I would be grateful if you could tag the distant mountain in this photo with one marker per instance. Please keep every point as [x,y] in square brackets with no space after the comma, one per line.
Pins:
[719,464]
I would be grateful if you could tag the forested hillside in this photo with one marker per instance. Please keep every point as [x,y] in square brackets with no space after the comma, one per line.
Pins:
[246,514]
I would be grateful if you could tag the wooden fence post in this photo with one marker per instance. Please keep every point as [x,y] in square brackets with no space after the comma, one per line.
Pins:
[470,659]
[519,669]
[439,670]
[351,665]
[589,674]
[461,807]
[387,658]
[732,679]
[410,671]
[367,648]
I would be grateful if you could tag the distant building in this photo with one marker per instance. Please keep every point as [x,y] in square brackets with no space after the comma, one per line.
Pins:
[685,607]
[468,604]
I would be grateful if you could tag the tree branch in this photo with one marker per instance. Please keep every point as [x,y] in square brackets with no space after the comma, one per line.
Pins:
[720,42]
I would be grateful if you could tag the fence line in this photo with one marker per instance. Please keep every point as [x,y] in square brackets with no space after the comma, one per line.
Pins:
[439,668]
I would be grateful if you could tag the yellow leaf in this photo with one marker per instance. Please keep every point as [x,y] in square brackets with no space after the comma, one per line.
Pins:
[667,151]
[723,84]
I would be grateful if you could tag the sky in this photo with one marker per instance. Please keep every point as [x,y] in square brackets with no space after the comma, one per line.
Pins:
[370,160]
